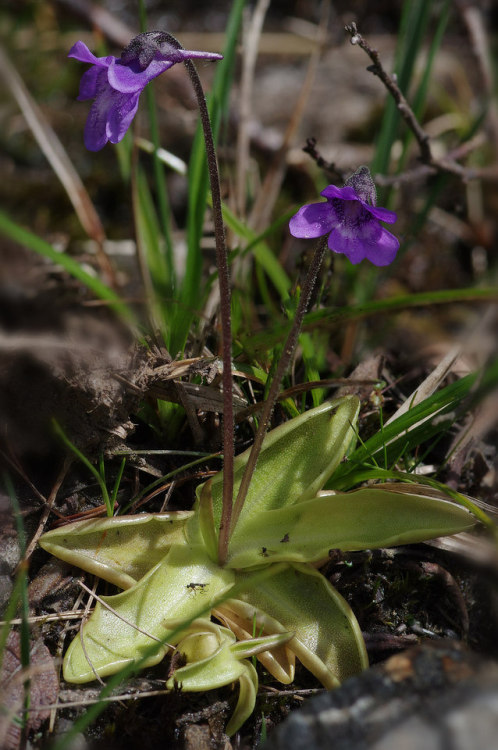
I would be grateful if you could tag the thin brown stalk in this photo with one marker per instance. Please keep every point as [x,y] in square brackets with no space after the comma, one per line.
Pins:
[225,305]
[48,506]
[288,351]
[225,311]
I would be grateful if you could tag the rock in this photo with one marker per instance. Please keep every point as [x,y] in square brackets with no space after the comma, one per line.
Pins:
[435,696]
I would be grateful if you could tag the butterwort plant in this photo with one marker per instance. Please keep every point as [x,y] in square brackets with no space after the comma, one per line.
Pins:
[348,222]
[272,601]
[188,578]
[115,83]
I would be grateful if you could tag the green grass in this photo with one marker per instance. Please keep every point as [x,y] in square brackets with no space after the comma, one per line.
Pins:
[22,236]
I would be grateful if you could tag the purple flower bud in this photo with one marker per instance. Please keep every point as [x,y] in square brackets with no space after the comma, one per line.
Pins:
[351,219]
[116,83]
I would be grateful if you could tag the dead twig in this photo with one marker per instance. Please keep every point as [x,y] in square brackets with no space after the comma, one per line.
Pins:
[423,171]
[249,57]
[48,506]
[473,18]
[445,164]
[327,166]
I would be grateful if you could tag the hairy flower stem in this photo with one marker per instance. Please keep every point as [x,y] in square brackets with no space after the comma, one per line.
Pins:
[288,351]
[225,309]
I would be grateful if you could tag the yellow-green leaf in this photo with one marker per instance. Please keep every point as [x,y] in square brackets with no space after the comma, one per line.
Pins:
[363,519]
[295,461]
[327,638]
[248,689]
[120,550]
[122,627]
[219,668]
[280,662]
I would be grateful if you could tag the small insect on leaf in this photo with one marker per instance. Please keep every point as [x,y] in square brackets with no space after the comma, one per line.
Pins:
[195,586]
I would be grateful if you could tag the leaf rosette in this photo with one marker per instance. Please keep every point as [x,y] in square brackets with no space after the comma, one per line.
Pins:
[167,565]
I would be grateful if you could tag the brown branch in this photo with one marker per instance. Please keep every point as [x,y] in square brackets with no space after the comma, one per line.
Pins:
[389,82]
[327,166]
[445,164]
[424,170]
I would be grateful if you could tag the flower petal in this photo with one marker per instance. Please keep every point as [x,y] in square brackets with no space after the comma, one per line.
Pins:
[127,79]
[370,240]
[313,220]
[355,239]
[352,247]
[81,52]
[89,83]
[95,134]
[384,250]
[383,214]
[122,113]
[345,193]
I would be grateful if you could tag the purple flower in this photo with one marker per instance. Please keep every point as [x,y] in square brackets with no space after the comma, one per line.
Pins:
[352,219]
[116,83]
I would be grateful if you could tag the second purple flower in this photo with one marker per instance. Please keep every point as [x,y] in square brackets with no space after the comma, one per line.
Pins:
[116,83]
[352,220]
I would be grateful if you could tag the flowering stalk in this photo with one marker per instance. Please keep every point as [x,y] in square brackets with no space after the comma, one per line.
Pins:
[225,310]
[349,223]
[289,348]
[115,85]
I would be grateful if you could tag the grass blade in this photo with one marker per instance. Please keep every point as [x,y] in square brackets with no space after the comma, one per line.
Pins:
[35,243]
[420,97]
[408,431]
[56,155]
[21,591]
[333,317]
